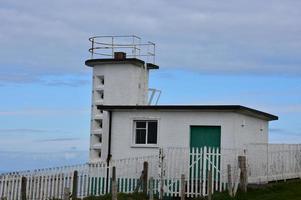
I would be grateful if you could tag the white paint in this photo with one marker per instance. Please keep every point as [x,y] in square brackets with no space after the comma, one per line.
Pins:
[174,130]
[114,84]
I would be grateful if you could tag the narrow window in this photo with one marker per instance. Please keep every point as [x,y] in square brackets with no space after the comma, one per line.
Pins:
[152,132]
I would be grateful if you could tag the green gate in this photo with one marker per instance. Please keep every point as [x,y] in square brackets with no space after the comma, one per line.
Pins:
[203,159]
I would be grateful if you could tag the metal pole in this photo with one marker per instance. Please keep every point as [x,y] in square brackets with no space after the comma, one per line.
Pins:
[112,47]
[92,53]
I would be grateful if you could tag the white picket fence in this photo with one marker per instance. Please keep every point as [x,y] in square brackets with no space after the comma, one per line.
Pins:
[165,167]
[265,163]
[273,162]
[43,183]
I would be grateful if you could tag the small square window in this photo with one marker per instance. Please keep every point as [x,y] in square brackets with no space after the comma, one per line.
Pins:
[140,124]
[146,131]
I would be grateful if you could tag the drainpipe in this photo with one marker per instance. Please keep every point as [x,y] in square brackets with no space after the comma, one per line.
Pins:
[109,150]
[110,137]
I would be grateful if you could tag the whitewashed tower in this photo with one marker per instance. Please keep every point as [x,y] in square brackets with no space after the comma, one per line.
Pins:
[121,67]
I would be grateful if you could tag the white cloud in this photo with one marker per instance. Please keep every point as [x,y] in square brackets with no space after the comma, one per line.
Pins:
[43,112]
[50,37]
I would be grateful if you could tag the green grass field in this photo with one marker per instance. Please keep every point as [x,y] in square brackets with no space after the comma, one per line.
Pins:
[277,191]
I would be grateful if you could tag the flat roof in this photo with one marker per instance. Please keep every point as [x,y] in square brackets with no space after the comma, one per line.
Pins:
[205,108]
[134,61]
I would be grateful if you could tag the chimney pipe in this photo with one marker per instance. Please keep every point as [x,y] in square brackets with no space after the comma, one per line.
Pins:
[119,55]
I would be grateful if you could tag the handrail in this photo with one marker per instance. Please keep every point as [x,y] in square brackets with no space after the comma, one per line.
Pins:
[105,47]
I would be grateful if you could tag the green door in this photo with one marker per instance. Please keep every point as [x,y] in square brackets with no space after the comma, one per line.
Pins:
[201,136]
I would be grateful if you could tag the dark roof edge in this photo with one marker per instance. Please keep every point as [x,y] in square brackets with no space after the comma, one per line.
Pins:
[151,66]
[134,61]
[229,108]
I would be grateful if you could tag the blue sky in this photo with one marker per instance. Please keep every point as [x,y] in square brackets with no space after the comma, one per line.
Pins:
[210,52]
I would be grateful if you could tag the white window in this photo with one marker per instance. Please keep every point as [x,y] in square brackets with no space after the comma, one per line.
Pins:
[145,131]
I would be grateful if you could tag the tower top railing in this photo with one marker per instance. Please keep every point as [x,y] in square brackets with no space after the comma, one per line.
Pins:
[132,45]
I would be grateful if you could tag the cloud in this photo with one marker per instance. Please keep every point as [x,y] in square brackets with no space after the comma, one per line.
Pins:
[233,37]
[24,130]
[279,135]
[34,160]
[277,130]
[58,140]
[44,111]
[59,80]
[284,131]
[31,131]
[284,109]
[73,83]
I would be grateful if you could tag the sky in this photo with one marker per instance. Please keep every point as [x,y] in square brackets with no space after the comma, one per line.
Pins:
[209,52]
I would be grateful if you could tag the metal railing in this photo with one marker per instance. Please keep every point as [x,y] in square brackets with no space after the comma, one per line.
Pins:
[132,45]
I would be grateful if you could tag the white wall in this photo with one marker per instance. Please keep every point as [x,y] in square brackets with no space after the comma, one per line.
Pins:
[174,130]
[251,130]
[124,84]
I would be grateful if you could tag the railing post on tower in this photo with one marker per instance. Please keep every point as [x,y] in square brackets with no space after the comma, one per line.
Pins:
[112,47]
[92,49]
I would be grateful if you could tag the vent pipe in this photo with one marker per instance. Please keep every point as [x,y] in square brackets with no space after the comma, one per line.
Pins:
[119,55]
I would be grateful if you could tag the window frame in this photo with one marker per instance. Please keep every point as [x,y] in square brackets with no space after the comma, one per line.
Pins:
[149,145]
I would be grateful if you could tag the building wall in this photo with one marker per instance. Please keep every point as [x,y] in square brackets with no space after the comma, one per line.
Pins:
[174,130]
[114,84]
[251,130]
[125,84]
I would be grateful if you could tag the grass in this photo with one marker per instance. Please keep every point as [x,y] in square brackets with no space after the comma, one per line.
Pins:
[276,191]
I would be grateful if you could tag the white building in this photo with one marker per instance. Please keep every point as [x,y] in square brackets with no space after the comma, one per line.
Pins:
[124,125]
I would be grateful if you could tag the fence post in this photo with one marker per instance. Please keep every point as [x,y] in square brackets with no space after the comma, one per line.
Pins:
[114,185]
[183,187]
[23,188]
[161,167]
[209,185]
[144,178]
[230,187]
[66,193]
[74,185]
[151,188]
[243,173]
